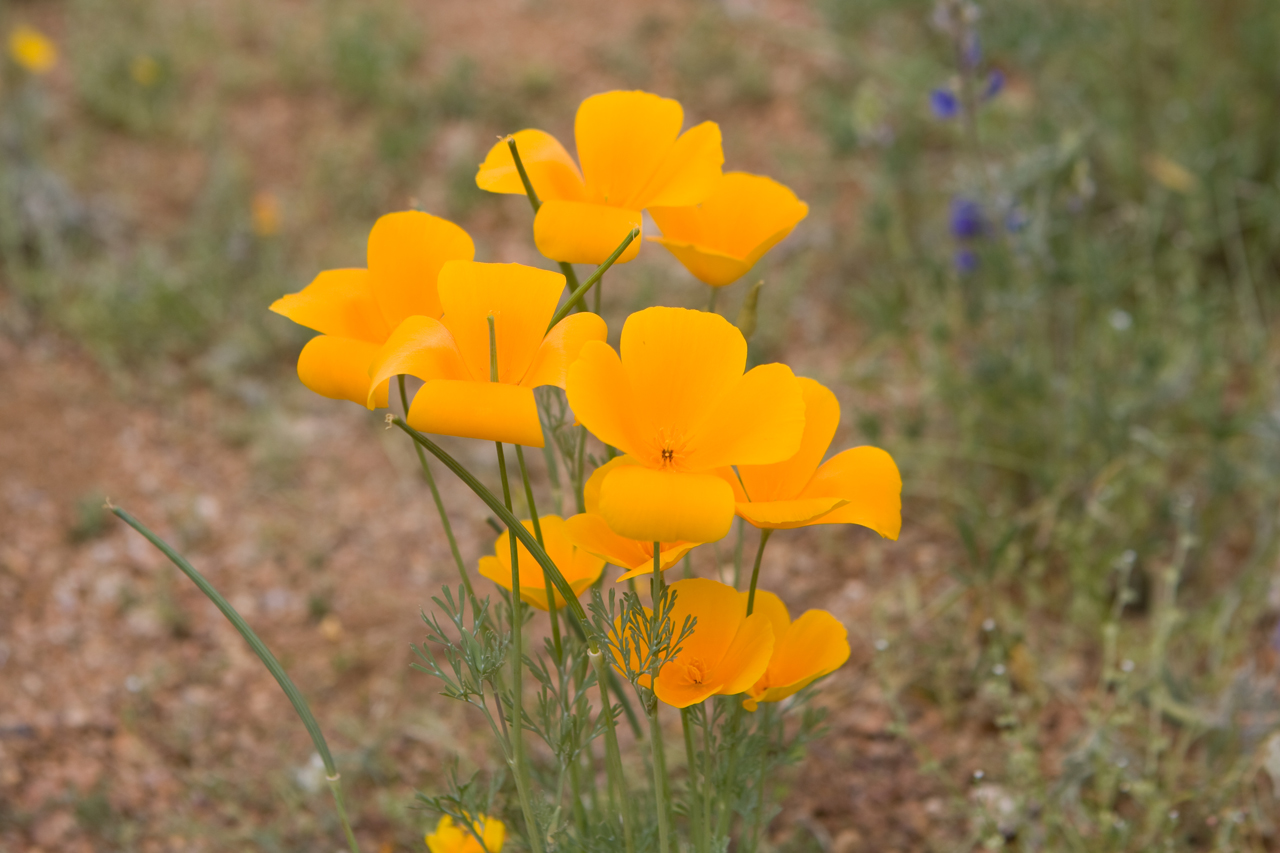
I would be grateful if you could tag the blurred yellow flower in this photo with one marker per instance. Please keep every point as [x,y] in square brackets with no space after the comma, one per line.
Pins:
[31,50]
[265,210]
[722,238]
[633,157]
[579,567]
[451,838]
[814,645]
[678,403]
[452,355]
[355,310]
[144,70]
[592,533]
[857,486]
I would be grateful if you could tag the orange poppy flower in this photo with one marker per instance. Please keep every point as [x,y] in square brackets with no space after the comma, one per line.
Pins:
[722,238]
[678,403]
[591,532]
[355,310]
[451,838]
[727,652]
[633,157]
[814,645]
[452,354]
[857,486]
[579,567]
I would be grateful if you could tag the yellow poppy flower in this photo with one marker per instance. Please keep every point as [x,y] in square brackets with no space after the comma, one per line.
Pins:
[727,652]
[678,403]
[355,310]
[633,157]
[720,239]
[451,355]
[814,645]
[857,486]
[451,838]
[34,53]
[591,532]
[579,567]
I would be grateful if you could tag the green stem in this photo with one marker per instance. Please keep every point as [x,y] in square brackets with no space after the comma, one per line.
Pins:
[595,297]
[444,516]
[506,517]
[613,755]
[517,667]
[708,776]
[537,533]
[535,203]
[711,301]
[765,533]
[655,729]
[268,660]
[580,290]
[726,806]
[691,757]
[758,829]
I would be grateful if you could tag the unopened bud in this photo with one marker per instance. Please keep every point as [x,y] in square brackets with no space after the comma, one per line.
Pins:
[747,316]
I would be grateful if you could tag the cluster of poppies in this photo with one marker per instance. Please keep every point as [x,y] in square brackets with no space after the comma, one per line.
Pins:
[699,439]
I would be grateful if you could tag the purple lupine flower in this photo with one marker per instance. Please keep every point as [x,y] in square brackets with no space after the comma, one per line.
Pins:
[944,103]
[966,219]
[995,83]
[966,261]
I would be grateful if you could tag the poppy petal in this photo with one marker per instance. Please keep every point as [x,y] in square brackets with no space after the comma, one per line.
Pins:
[592,534]
[784,515]
[600,395]
[759,419]
[550,168]
[338,303]
[814,645]
[669,556]
[666,506]
[690,171]
[774,610]
[338,368]
[421,347]
[706,352]
[707,266]
[560,348]
[743,217]
[868,478]
[719,611]
[784,480]
[623,139]
[521,300]
[748,657]
[485,410]
[406,251]
[580,232]
[591,489]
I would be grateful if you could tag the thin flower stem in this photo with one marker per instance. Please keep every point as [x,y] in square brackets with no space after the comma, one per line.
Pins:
[737,555]
[765,533]
[444,516]
[536,203]
[758,828]
[613,755]
[506,517]
[691,757]
[537,533]
[264,654]
[595,297]
[655,728]
[517,666]
[580,290]
[726,805]
[711,300]
[709,774]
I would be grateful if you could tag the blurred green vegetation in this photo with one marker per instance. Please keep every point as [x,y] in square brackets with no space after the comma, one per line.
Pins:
[1081,396]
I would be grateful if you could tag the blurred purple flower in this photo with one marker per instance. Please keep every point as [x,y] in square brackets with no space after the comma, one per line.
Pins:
[944,103]
[966,219]
[966,261]
[995,83]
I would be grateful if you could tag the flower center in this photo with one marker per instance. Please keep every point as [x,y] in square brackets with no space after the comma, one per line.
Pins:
[668,456]
[695,671]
